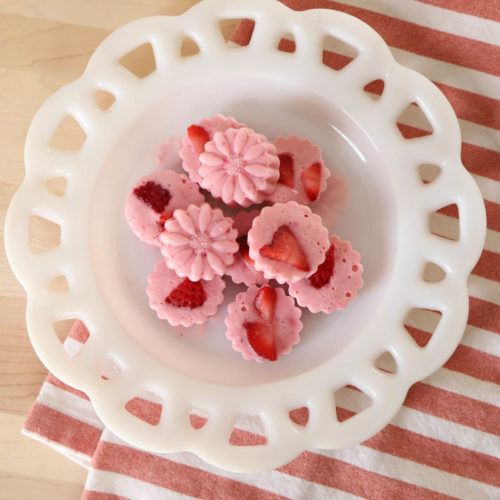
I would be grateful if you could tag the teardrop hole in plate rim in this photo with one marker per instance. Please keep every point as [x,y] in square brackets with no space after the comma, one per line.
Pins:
[203,352]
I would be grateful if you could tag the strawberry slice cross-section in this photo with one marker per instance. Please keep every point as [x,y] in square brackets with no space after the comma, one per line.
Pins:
[325,270]
[153,195]
[284,247]
[311,179]
[265,302]
[198,137]
[190,294]
[287,176]
[261,338]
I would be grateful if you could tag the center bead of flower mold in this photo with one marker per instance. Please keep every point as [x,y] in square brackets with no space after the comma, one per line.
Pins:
[234,164]
[201,243]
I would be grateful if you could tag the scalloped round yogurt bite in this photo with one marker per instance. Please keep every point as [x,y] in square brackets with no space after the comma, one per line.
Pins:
[153,200]
[181,301]
[335,283]
[303,173]
[263,323]
[193,143]
[287,242]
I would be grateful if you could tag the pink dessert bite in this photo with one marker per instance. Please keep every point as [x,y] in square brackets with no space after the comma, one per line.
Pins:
[199,242]
[181,301]
[153,200]
[287,242]
[263,323]
[303,173]
[239,166]
[242,270]
[198,135]
[335,283]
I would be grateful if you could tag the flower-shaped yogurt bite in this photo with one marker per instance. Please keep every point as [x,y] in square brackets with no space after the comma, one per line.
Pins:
[239,166]
[199,242]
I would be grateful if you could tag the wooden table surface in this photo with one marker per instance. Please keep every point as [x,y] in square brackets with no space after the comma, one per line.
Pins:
[44,44]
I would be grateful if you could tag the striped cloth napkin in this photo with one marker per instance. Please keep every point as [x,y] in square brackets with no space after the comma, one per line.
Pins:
[445,441]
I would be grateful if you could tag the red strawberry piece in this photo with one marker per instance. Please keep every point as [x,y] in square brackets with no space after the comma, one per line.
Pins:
[286,170]
[190,294]
[198,137]
[261,338]
[264,302]
[154,195]
[311,179]
[245,251]
[285,248]
[325,271]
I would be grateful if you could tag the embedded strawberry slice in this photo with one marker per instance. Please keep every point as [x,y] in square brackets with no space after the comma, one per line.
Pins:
[190,294]
[245,251]
[198,137]
[286,170]
[285,248]
[154,195]
[261,338]
[163,218]
[325,271]
[311,179]
[264,302]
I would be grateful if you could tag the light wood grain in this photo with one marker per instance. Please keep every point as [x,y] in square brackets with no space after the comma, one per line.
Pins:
[44,44]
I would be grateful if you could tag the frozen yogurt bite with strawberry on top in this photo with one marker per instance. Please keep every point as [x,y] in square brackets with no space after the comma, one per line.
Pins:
[153,200]
[263,323]
[287,242]
[181,301]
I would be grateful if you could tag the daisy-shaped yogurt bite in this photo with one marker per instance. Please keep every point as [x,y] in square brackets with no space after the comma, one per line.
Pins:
[263,323]
[198,134]
[153,200]
[239,166]
[335,283]
[199,242]
[181,301]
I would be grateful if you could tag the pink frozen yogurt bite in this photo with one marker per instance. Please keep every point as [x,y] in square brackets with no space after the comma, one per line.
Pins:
[153,200]
[335,283]
[199,242]
[242,270]
[287,242]
[263,323]
[239,166]
[193,144]
[181,301]
[303,173]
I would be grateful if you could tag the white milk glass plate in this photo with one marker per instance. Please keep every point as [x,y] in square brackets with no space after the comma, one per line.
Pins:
[386,220]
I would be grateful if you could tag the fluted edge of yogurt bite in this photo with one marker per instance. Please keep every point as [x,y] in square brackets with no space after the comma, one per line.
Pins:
[181,301]
[287,242]
[199,242]
[263,331]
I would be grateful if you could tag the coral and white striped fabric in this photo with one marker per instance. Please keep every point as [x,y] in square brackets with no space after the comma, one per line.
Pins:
[445,441]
